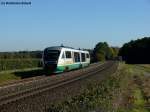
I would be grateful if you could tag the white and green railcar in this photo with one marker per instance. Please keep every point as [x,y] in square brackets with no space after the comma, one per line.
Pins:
[59,59]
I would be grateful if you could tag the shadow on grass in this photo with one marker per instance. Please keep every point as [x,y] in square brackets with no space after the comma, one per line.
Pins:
[30,73]
[37,72]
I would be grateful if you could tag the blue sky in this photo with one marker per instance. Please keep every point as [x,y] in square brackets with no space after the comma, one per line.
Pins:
[75,23]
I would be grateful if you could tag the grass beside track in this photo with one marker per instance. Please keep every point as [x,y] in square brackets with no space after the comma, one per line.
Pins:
[11,75]
[120,92]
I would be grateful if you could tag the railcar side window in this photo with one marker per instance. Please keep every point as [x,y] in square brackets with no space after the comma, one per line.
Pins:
[83,57]
[76,57]
[87,56]
[68,54]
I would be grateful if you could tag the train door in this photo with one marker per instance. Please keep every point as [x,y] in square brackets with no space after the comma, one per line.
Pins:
[68,60]
[88,58]
[76,57]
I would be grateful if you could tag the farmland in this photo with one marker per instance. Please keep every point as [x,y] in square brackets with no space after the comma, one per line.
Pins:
[20,60]
[12,64]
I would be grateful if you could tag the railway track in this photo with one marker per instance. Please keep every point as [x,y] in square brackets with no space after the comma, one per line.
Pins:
[44,84]
[26,84]
[14,82]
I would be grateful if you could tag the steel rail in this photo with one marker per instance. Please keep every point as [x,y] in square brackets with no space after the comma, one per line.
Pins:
[13,82]
[25,85]
[42,88]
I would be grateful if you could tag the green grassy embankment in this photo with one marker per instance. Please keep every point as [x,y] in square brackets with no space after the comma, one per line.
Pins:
[120,92]
[11,75]
[15,69]
[138,90]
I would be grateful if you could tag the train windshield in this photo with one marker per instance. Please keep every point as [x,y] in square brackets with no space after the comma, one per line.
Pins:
[51,55]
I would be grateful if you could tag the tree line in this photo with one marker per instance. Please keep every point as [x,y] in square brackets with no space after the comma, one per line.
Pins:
[133,52]
[101,52]
[136,51]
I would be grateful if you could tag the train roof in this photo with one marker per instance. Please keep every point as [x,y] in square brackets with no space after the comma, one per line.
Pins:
[60,47]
